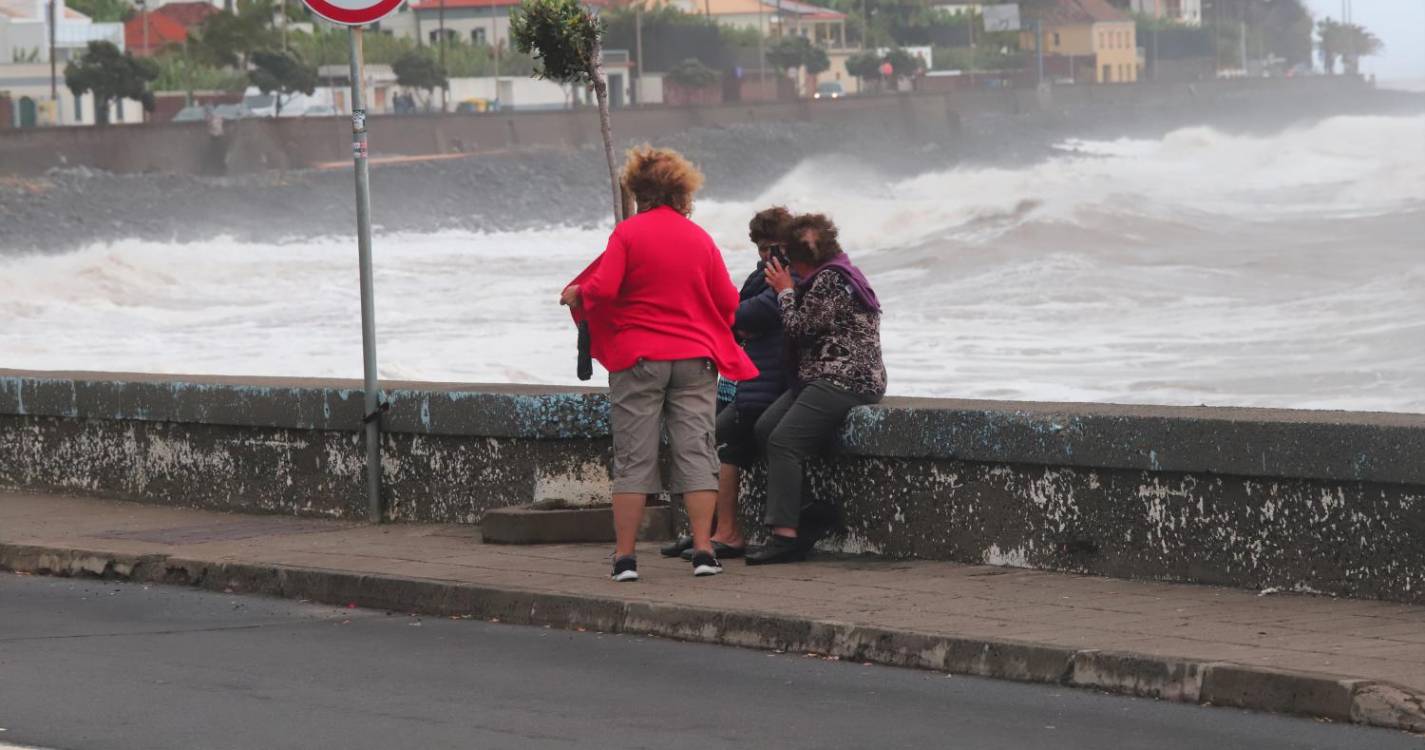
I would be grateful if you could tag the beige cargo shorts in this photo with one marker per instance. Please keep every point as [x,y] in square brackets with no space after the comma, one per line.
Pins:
[680,394]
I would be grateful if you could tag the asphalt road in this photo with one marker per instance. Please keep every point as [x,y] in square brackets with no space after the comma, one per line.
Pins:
[91,664]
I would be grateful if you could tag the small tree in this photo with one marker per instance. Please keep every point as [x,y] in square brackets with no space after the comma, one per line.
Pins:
[282,74]
[227,40]
[1357,42]
[111,75]
[418,70]
[864,65]
[788,52]
[816,62]
[903,63]
[1330,37]
[692,74]
[566,40]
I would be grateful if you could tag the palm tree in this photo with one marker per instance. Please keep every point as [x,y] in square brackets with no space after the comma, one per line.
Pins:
[566,39]
[1349,42]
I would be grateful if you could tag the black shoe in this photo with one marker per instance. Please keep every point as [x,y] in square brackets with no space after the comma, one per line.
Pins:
[680,546]
[722,551]
[705,564]
[625,569]
[778,549]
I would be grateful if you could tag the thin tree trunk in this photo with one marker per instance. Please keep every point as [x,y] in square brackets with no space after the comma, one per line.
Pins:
[601,91]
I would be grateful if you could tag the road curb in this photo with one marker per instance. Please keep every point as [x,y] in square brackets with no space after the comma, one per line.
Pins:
[1367,702]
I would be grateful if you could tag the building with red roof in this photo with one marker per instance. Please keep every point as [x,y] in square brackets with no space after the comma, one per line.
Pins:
[149,32]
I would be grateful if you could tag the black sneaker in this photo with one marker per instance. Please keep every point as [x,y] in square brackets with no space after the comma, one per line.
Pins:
[625,569]
[704,564]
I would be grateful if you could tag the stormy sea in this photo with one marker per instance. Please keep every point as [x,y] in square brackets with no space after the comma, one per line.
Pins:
[1192,265]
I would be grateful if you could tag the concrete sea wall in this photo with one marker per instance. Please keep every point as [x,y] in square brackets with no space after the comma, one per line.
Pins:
[1309,501]
[256,145]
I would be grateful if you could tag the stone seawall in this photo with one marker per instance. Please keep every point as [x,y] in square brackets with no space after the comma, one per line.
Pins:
[275,144]
[1323,502]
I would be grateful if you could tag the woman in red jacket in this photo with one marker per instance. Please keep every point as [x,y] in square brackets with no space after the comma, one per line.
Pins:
[660,303]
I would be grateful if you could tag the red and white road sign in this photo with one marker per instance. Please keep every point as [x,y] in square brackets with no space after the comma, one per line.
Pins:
[353,12]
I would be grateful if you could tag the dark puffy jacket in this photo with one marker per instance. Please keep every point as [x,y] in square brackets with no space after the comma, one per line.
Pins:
[759,327]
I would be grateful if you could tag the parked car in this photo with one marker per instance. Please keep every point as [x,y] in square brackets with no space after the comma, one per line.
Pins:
[829,90]
[320,110]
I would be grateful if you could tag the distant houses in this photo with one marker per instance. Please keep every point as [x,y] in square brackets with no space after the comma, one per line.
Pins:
[1086,41]
[150,30]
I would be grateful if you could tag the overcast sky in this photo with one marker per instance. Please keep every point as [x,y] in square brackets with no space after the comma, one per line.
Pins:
[1399,23]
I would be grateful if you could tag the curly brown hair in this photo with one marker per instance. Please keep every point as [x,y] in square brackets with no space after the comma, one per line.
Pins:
[813,239]
[769,225]
[661,177]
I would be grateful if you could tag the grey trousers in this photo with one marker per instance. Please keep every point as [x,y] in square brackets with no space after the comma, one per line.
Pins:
[681,395]
[794,428]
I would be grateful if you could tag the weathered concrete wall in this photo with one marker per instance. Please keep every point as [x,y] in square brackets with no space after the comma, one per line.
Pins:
[1313,501]
[294,446]
[256,145]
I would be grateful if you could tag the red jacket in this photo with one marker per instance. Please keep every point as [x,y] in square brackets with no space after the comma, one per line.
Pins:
[661,292]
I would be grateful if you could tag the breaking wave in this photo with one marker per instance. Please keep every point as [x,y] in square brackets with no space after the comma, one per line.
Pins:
[1203,267]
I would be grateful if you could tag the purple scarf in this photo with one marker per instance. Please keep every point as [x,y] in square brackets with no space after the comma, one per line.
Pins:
[859,285]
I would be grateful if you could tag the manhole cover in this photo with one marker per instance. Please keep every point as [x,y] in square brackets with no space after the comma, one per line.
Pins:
[228,531]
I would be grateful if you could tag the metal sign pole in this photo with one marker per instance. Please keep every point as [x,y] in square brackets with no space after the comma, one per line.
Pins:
[374,402]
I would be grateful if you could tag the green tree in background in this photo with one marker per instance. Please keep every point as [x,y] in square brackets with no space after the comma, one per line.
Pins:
[903,63]
[693,74]
[418,69]
[462,59]
[1349,42]
[788,52]
[282,74]
[178,71]
[110,75]
[228,40]
[566,40]
[816,61]
[104,11]
[864,65]
[791,52]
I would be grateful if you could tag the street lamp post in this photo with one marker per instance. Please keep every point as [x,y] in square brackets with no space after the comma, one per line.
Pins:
[53,64]
[440,23]
[143,18]
[638,54]
[1157,19]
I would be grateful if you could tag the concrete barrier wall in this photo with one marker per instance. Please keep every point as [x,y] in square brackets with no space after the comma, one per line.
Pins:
[1309,501]
[256,145]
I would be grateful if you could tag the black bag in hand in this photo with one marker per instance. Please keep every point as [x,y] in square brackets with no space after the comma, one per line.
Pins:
[586,360]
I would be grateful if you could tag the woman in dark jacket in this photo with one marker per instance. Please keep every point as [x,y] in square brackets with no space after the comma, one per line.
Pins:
[832,321]
[758,327]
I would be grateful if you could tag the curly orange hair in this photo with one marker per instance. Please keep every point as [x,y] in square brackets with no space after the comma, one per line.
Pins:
[661,177]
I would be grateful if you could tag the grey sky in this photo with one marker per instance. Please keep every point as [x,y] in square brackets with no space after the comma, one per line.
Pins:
[1399,23]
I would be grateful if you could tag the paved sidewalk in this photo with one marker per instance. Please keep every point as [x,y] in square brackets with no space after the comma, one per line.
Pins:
[1338,658]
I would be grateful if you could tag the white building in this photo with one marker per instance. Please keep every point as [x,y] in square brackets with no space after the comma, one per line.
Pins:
[1183,11]
[471,21]
[28,87]
[25,37]
[25,69]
